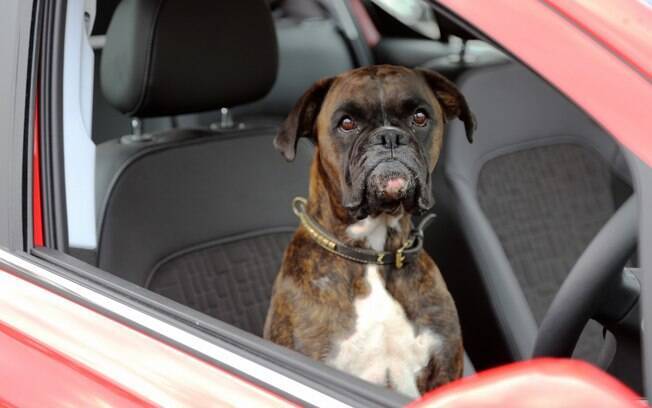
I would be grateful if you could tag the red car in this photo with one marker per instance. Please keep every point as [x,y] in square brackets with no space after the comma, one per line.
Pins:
[145,212]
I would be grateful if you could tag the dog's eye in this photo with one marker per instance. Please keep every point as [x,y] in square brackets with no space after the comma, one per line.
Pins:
[347,124]
[420,118]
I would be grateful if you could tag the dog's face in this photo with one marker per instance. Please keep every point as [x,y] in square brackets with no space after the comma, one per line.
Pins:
[379,131]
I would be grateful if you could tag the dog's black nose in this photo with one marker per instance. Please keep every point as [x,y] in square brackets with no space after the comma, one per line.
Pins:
[389,137]
[390,140]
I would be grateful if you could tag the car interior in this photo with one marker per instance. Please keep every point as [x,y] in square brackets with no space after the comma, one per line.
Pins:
[192,202]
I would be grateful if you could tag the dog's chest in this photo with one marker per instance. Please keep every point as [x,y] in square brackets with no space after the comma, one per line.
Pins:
[384,347]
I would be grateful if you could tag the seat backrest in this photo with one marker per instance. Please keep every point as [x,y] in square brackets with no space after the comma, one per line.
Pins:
[530,192]
[204,221]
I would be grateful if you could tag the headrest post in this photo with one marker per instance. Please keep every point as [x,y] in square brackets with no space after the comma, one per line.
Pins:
[462,53]
[136,127]
[226,119]
[137,135]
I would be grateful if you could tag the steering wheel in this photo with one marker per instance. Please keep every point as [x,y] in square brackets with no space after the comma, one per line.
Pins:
[589,289]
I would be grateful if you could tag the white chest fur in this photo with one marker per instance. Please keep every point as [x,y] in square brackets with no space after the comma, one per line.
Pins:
[384,347]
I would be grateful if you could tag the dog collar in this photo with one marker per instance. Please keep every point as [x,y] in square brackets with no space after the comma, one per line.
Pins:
[407,253]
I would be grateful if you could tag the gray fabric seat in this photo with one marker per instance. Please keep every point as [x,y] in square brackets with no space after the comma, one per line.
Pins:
[203,216]
[167,194]
[204,222]
[530,193]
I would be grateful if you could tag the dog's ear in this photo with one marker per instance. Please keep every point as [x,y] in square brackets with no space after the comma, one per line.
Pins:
[301,121]
[451,100]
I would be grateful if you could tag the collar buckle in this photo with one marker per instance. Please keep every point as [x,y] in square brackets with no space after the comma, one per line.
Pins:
[399,259]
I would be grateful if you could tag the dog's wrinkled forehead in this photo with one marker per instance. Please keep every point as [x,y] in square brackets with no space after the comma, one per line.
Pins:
[382,91]
[377,92]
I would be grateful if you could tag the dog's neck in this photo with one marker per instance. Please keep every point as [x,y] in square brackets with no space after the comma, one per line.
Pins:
[383,232]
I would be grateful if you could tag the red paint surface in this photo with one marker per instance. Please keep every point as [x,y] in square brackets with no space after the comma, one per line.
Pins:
[37,208]
[34,375]
[595,71]
[534,383]
[625,27]
[94,347]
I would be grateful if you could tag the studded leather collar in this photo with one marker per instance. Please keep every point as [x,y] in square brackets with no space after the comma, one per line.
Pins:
[407,253]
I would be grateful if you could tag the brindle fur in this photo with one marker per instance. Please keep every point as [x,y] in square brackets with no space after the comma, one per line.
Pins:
[312,302]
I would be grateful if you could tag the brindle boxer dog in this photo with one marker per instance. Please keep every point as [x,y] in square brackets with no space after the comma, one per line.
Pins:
[378,133]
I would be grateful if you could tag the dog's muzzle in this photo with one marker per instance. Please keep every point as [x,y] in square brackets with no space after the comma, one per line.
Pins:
[388,170]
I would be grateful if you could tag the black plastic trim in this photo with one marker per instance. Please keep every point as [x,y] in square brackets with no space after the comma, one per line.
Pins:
[51,110]
[30,109]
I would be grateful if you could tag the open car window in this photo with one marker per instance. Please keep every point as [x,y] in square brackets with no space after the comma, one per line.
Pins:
[168,196]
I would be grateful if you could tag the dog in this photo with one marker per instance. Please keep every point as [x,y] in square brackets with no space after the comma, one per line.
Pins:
[355,289]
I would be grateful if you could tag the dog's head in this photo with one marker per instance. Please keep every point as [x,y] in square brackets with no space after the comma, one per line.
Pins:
[378,131]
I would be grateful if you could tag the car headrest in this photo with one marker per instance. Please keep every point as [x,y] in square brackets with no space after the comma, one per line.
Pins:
[169,57]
